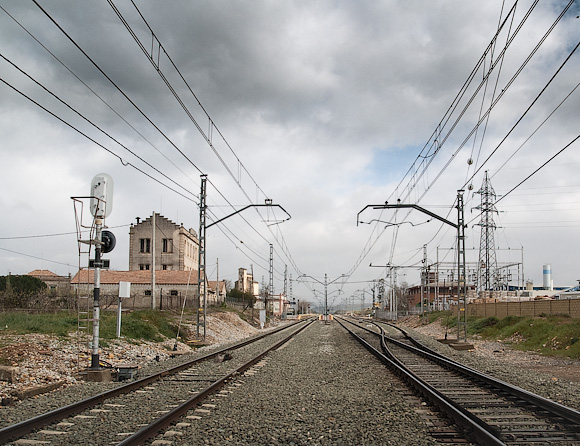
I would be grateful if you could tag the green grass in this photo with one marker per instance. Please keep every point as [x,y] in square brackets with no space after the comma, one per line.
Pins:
[556,335]
[145,325]
[59,324]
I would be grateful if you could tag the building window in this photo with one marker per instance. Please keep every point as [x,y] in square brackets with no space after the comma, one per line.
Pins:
[173,292]
[144,245]
[144,267]
[167,245]
[164,267]
[147,292]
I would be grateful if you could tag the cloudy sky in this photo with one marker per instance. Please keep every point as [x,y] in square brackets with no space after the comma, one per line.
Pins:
[323,107]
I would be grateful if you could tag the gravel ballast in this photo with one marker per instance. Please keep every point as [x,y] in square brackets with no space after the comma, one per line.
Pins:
[320,388]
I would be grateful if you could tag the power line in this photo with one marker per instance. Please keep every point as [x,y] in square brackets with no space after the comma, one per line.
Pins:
[125,163]
[131,102]
[538,169]
[207,136]
[96,126]
[91,90]
[115,85]
[38,258]
[410,186]
[435,142]
[53,235]
[528,109]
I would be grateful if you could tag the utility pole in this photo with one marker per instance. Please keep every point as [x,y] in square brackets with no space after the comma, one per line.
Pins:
[423,279]
[461,271]
[285,299]
[271,285]
[325,283]
[325,297]
[203,226]
[395,299]
[153,301]
[217,280]
[201,289]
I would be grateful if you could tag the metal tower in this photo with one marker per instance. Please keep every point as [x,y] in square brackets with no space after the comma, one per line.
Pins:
[271,285]
[201,276]
[487,267]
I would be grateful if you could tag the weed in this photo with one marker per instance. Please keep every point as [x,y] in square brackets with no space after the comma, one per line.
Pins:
[552,335]
[146,325]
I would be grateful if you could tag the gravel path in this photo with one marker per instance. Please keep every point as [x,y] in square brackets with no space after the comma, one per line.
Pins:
[321,388]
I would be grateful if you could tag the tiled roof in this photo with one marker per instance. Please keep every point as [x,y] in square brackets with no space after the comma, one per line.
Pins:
[212,284]
[42,272]
[162,277]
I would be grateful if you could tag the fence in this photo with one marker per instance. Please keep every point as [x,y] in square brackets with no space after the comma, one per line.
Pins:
[500,310]
[390,315]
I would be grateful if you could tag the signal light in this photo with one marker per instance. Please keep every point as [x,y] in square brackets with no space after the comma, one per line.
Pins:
[109,241]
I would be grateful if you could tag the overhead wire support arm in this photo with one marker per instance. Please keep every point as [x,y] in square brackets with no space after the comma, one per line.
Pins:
[461,265]
[405,206]
[251,206]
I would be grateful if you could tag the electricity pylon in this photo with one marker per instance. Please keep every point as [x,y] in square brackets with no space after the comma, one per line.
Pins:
[487,267]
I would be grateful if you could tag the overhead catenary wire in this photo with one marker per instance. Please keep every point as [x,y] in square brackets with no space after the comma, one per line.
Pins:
[415,178]
[134,105]
[436,141]
[492,99]
[98,128]
[107,104]
[84,53]
[212,125]
[93,140]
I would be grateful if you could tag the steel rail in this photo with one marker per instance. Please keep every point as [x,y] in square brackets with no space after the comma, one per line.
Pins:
[151,430]
[475,428]
[553,407]
[22,428]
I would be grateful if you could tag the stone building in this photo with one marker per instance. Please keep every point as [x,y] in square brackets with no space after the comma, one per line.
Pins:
[246,282]
[176,248]
[172,288]
[56,284]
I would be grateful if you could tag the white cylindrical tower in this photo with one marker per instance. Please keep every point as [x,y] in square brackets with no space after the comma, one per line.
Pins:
[547,277]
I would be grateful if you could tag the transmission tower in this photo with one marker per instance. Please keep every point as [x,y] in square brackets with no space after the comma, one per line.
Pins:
[487,267]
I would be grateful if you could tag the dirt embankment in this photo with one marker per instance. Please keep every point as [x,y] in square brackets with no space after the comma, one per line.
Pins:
[43,360]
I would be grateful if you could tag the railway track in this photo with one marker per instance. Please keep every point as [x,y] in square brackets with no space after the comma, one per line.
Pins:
[133,413]
[490,411]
